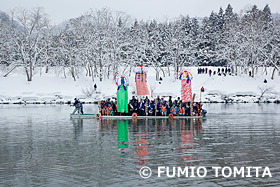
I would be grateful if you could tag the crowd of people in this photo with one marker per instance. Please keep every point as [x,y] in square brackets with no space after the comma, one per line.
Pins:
[219,72]
[146,107]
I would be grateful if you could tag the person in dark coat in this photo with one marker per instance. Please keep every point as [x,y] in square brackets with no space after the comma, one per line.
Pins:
[133,100]
[169,105]
[95,87]
[210,72]
[114,108]
[147,100]
[81,106]
[188,109]
[130,108]
[135,105]
[141,108]
[151,109]
[78,106]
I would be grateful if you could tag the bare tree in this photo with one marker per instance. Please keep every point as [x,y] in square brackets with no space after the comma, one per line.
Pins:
[264,90]
[29,37]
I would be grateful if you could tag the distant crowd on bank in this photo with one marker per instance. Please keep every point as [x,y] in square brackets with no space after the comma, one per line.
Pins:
[146,107]
[220,71]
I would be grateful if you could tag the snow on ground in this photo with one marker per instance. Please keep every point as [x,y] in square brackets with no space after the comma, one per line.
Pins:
[54,88]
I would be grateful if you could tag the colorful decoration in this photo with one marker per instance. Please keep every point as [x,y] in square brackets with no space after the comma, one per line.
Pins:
[186,75]
[122,95]
[186,87]
[122,82]
[141,80]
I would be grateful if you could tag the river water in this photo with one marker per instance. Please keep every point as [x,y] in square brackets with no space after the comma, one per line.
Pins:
[41,146]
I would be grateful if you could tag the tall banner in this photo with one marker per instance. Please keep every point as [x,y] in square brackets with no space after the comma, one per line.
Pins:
[122,95]
[186,86]
[141,80]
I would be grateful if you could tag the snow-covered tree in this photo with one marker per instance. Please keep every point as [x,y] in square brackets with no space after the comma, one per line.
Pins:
[28,39]
[101,41]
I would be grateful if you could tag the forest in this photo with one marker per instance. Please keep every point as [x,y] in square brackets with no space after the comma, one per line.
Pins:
[104,43]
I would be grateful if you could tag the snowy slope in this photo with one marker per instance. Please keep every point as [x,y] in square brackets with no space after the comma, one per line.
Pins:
[46,88]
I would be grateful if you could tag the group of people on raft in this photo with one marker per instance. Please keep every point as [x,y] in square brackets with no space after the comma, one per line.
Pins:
[157,106]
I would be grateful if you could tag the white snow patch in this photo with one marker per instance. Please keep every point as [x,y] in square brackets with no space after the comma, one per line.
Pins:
[54,88]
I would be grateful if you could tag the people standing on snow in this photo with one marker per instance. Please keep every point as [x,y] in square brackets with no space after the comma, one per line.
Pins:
[210,72]
[202,89]
[95,87]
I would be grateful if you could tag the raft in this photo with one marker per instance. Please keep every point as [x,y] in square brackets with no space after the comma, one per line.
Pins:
[92,116]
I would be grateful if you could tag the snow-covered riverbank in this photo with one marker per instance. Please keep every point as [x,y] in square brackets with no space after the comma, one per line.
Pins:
[54,88]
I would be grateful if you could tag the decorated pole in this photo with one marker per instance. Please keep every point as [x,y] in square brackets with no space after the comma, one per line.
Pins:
[146,108]
[192,105]
[122,95]
[186,88]
[99,107]
[141,80]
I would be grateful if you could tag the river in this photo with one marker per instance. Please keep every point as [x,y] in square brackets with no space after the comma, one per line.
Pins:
[41,146]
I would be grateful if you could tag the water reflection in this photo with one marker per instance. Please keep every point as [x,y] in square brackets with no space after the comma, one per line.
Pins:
[177,135]
[187,141]
[122,137]
[77,127]
[142,143]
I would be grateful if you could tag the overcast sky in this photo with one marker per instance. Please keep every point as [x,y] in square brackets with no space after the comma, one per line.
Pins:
[60,10]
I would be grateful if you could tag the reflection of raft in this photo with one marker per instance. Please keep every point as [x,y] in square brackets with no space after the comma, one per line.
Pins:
[92,116]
